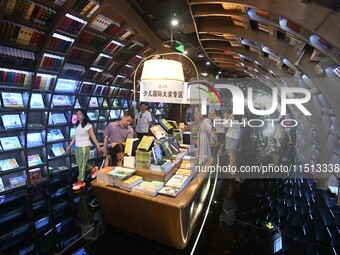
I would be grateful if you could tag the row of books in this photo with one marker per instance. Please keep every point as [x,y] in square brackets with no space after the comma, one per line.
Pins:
[101,23]
[72,70]
[60,43]
[86,8]
[51,62]
[11,77]
[21,34]
[16,57]
[71,24]
[81,54]
[30,10]
[92,39]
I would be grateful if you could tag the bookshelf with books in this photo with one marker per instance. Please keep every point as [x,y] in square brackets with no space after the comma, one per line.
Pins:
[77,54]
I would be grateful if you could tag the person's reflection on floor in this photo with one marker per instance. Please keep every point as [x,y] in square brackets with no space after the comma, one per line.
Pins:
[90,227]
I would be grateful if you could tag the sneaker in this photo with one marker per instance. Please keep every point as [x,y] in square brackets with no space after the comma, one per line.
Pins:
[94,172]
[94,203]
[79,185]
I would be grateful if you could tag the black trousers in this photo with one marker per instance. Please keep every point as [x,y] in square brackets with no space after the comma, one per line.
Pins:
[140,135]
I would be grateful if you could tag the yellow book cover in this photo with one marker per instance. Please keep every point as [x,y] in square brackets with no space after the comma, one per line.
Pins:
[132,179]
[29,11]
[24,36]
[145,143]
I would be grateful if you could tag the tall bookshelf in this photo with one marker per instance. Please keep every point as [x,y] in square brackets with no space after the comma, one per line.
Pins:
[56,56]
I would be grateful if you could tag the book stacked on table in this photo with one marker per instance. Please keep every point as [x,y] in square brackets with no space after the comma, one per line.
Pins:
[129,182]
[148,188]
[118,173]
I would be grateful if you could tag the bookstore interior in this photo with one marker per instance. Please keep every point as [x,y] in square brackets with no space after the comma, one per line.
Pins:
[185,60]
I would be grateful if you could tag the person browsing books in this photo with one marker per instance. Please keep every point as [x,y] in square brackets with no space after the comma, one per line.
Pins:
[115,156]
[144,121]
[183,127]
[83,133]
[117,132]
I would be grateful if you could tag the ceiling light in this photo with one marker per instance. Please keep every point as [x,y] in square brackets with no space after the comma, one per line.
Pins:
[162,69]
[174,22]
[204,74]
[219,72]
[207,63]
[200,55]
[185,52]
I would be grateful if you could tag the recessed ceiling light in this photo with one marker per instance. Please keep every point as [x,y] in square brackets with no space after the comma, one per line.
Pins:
[200,55]
[185,52]
[207,63]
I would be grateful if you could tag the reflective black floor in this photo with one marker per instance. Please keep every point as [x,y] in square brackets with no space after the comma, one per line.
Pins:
[308,219]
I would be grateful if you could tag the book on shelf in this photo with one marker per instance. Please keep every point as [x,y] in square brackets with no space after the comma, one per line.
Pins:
[58,118]
[93,102]
[146,143]
[17,181]
[8,164]
[34,139]
[11,121]
[34,160]
[158,132]
[2,186]
[12,100]
[91,115]
[169,191]
[36,101]
[131,146]
[55,134]
[61,101]
[34,175]
[58,151]
[10,143]
[101,23]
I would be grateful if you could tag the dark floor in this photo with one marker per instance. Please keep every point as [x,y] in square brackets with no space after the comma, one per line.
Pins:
[235,222]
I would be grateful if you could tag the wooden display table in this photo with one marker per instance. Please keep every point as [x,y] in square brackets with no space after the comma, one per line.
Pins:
[167,220]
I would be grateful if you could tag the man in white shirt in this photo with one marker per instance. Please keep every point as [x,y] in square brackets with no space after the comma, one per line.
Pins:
[144,121]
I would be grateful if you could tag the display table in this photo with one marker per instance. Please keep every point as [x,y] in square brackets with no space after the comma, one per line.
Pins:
[167,220]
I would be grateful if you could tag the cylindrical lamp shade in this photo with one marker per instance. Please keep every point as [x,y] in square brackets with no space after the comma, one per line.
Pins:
[162,69]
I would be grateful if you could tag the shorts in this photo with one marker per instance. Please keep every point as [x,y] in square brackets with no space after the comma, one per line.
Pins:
[231,144]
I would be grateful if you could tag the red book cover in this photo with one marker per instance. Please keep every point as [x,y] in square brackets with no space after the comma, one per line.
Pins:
[22,79]
[33,39]
[37,82]
[4,76]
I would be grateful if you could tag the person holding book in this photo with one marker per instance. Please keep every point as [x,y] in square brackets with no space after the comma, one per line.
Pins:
[115,156]
[144,121]
[83,133]
[117,132]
